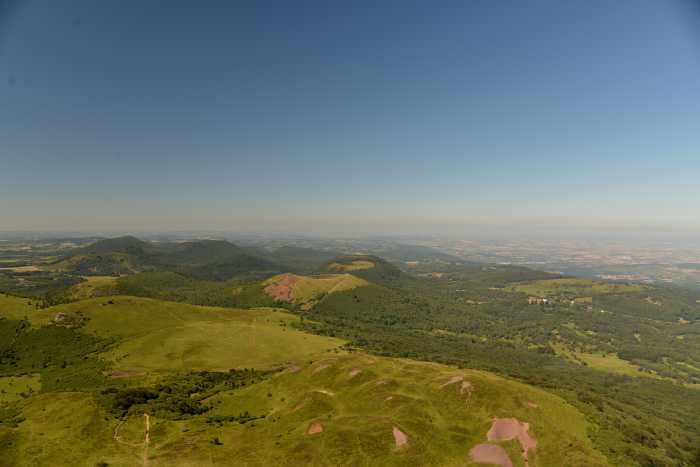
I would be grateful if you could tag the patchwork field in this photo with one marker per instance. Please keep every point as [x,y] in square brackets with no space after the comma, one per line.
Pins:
[573,286]
[21,268]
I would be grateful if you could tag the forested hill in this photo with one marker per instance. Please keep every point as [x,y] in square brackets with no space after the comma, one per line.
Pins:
[204,259]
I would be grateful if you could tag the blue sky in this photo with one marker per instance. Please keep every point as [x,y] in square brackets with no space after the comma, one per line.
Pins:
[178,115]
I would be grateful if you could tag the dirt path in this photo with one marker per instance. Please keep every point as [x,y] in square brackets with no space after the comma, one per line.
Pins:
[118,438]
[147,439]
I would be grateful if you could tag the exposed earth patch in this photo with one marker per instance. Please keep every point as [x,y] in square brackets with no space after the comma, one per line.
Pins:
[400,438]
[490,454]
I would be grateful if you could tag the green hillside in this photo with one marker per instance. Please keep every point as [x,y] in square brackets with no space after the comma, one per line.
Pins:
[204,259]
[213,260]
[127,244]
[12,307]
[94,286]
[307,291]
[319,406]
[370,268]
[180,288]
[628,357]
[152,335]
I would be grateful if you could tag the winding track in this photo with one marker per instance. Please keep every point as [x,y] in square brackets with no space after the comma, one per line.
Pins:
[147,439]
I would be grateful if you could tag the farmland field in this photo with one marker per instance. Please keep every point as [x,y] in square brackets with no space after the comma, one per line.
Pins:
[573,286]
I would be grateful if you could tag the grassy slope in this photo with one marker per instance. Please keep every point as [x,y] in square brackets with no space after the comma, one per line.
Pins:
[176,287]
[642,421]
[94,286]
[356,412]
[16,307]
[67,429]
[165,335]
[307,290]
[12,387]
[610,363]
[358,415]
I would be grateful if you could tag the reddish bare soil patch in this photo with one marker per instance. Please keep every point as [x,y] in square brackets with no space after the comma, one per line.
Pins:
[490,454]
[314,428]
[355,372]
[281,290]
[504,429]
[400,438]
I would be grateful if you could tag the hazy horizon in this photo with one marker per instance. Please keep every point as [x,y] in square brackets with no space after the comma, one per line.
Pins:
[123,116]
[632,236]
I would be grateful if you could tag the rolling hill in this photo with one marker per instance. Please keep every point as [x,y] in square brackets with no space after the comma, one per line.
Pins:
[621,355]
[307,291]
[163,395]
[203,259]
[370,268]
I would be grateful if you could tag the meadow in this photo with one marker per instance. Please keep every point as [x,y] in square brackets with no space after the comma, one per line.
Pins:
[354,402]
[94,286]
[13,307]
[320,405]
[154,335]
